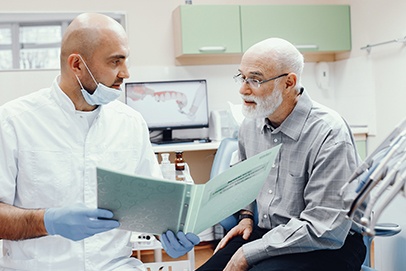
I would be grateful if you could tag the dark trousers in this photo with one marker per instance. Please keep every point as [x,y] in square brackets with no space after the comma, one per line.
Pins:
[348,258]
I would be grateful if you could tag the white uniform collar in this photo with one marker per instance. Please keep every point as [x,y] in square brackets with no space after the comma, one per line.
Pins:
[62,99]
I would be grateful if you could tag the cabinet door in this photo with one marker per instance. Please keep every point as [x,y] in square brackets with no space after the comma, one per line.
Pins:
[209,29]
[362,148]
[323,28]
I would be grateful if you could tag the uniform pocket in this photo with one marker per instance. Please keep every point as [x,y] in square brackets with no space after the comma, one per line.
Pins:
[122,160]
[45,177]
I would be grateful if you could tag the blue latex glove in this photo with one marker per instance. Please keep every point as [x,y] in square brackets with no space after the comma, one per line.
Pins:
[176,247]
[78,222]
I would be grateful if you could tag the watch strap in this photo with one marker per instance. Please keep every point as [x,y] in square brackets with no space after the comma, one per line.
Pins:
[242,216]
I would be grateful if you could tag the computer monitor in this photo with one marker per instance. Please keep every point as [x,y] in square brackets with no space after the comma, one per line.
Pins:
[169,105]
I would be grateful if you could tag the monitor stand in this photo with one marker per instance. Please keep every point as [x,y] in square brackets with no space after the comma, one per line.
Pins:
[167,139]
[167,135]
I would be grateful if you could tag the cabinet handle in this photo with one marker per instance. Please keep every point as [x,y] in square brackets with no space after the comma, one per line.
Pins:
[307,46]
[206,49]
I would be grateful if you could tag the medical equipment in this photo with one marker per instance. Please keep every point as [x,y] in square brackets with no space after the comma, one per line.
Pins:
[383,146]
[143,241]
[382,176]
[170,105]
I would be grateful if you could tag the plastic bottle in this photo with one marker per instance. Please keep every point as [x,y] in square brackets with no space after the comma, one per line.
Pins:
[168,170]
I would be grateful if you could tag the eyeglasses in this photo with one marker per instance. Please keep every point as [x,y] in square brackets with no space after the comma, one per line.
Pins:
[254,83]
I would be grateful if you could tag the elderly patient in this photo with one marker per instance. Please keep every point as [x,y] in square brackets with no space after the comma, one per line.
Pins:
[301,216]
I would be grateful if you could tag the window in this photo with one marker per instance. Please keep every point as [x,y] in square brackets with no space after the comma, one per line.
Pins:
[6,58]
[39,46]
[33,40]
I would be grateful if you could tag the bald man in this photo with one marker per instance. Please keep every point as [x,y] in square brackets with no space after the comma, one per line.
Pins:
[51,142]
[300,221]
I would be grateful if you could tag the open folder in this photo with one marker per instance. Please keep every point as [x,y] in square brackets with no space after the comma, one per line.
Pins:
[145,204]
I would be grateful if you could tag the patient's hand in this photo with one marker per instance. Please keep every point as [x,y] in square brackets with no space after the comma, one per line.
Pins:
[243,228]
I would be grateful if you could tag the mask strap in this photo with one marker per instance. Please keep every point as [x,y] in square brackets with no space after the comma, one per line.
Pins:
[80,83]
[87,70]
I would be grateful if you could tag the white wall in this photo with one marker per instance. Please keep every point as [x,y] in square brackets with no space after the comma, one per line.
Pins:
[364,88]
[149,26]
[150,31]
[375,21]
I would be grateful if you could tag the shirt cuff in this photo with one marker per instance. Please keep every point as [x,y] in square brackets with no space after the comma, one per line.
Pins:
[255,251]
[251,207]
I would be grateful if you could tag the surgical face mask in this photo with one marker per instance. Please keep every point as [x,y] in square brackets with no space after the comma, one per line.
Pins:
[102,94]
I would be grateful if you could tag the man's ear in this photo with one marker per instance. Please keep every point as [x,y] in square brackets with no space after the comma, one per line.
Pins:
[74,62]
[291,81]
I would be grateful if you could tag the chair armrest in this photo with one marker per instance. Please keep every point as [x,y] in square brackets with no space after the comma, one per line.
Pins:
[387,229]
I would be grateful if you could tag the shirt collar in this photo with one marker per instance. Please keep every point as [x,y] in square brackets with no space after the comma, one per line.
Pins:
[293,125]
[61,98]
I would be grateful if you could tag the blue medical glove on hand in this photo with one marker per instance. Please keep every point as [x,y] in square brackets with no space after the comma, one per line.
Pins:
[176,247]
[78,222]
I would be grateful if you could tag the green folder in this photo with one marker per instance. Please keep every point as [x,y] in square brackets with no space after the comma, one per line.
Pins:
[151,205]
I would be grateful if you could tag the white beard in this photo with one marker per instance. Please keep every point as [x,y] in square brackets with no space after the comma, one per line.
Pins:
[264,106]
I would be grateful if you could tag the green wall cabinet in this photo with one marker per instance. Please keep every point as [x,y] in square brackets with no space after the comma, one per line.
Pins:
[207,29]
[226,31]
[321,28]
[362,148]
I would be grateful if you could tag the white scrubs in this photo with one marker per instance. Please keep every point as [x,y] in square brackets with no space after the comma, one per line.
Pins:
[48,158]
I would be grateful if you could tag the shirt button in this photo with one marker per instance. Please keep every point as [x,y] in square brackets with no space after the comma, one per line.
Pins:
[265,216]
[275,140]
[270,191]
[273,165]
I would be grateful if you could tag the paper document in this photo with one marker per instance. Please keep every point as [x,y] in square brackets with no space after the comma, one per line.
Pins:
[149,205]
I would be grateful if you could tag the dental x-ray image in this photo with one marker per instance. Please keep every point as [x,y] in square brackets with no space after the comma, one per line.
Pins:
[168,105]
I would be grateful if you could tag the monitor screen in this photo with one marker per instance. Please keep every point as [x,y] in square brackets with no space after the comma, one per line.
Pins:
[168,105]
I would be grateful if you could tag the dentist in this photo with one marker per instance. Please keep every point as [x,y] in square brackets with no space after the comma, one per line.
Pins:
[51,142]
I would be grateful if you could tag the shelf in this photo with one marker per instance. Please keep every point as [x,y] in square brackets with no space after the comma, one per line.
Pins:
[189,146]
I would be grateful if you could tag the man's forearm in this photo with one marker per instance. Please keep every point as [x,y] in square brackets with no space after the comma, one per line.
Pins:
[19,224]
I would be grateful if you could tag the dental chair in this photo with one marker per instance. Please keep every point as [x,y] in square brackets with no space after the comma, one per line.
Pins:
[383,229]
[223,160]
[224,156]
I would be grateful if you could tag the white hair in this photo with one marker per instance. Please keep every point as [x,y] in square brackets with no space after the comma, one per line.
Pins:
[284,55]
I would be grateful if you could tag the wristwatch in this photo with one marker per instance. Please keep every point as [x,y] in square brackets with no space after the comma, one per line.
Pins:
[242,216]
